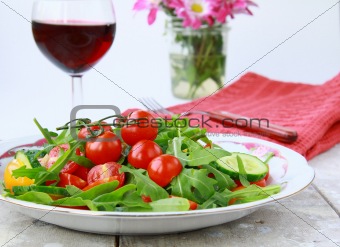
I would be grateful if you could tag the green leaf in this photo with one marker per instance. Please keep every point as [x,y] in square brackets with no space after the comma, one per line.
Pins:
[242,172]
[82,161]
[223,180]
[202,156]
[145,186]
[98,190]
[193,180]
[253,193]
[70,202]
[35,173]
[125,196]
[44,132]
[175,149]
[36,197]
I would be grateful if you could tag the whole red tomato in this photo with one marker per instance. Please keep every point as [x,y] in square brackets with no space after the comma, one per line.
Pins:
[164,168]
[140,125]
[142,153]
[106,171]
[84,132]
[105,148]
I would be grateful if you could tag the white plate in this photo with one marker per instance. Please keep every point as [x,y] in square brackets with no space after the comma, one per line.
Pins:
[288,168]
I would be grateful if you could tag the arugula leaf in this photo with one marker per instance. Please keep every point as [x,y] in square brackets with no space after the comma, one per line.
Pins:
[165,205]
[64,137]
[202,156]
[36,197]
[145,186]
[253,193]
[175,149]
[242,172]
[96,191]
[34,173]
[217,200]
[82,161]
[44,132]
[223,180]
[193,180]
[74,202]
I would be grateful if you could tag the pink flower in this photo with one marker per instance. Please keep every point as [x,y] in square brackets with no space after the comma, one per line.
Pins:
[231,7]
[194,12]
[152,5]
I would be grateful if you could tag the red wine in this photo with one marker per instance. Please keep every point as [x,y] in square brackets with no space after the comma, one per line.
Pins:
[74,47]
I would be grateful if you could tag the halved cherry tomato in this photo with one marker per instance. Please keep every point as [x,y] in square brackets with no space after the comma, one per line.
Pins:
[146,199]
[193,205]
[105,148]
[233,200]
[107,170]
[82,172]
[142,153]
[261,183]
[140,125]
[164,168]
[102,181]
[267,175]
[56,152]
[69,179]
[84,133]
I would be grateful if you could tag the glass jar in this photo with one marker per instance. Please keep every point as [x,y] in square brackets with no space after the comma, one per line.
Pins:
[197,59]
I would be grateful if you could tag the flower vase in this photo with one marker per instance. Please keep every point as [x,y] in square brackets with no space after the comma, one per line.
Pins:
[197,60]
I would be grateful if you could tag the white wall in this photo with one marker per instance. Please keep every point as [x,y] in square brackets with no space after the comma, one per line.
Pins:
[30,86]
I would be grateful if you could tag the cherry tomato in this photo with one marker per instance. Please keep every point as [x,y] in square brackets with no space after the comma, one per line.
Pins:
[146,199]
[164,168]
[102,151]
[56,152]
[11,181]
[140,125]
[267,175]
[107,170]
[142,153]
[102,181]
[233,200]
[83,133]
[82,172]
[193,205]
[69,179]
[261,183]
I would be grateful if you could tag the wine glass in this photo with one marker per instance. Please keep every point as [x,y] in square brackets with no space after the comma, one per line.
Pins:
[74,35]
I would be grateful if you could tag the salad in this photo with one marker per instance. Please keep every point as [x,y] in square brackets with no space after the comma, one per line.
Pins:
[138,163]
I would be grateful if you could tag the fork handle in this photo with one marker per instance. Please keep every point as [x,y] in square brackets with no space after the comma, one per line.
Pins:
[274,131]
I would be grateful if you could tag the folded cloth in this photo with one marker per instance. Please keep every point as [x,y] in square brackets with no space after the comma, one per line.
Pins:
[312,110]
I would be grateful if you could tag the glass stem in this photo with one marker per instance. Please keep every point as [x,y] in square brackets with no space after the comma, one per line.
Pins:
[77,90]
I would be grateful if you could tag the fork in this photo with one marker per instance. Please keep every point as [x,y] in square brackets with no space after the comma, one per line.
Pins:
[228,119]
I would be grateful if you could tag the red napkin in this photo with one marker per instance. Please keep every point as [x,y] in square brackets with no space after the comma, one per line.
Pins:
[312,110]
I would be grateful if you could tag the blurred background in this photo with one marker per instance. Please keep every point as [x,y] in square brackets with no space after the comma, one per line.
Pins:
[288,40]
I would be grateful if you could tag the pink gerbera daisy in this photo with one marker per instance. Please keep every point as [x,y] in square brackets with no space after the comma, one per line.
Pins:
[194,12]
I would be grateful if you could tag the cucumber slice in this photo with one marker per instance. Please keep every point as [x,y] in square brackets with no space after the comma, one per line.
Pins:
[255,168]
[51,190]
[20,155]
[28,158]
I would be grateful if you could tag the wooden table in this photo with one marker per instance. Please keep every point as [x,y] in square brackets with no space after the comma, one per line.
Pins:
[310,218]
